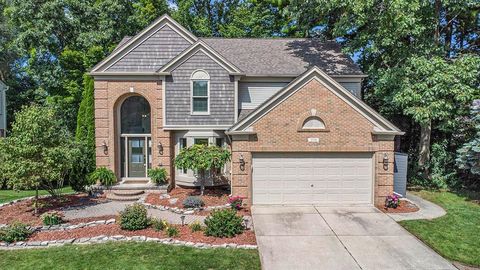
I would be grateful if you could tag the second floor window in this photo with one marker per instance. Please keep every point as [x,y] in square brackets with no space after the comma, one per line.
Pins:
[200,83]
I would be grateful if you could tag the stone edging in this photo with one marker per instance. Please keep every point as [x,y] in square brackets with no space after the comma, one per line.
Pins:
[23,199]
[177,210]
[67,226]
[117,238]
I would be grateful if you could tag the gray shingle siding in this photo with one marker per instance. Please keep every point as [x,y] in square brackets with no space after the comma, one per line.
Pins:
[153,53]
[177,93]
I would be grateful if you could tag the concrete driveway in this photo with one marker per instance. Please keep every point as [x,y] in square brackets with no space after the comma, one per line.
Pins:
[308,237]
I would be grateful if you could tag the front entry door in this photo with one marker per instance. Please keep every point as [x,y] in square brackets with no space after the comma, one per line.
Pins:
[137,157]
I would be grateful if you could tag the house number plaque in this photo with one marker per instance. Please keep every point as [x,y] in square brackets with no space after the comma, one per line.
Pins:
[313,140]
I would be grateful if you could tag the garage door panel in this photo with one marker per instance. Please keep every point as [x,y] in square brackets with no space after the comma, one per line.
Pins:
[312,178]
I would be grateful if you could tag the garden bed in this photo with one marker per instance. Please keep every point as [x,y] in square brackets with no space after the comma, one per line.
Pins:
[404,207]
[185,234]
[211,197]
[24,212]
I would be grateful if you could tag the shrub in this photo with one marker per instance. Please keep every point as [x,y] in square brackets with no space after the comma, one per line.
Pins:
[102,175]
[15,232]
[134,217]
[158,175]
[235,202]
[159,224]
[51,218]
[195,226]
[392,201]
[223,223]
[193,202]
[172,232]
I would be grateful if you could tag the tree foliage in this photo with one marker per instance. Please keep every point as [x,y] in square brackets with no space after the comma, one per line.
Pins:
[39,151]
[202,159]
[468,156]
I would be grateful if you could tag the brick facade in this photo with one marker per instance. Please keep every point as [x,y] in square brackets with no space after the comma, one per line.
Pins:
[109,95]
[346,131]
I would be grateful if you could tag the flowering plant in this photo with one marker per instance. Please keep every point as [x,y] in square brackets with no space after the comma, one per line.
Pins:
[392,201]
[235,202]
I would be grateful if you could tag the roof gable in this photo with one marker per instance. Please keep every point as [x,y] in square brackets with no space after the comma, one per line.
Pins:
[381,125]
[200,46]
[164,25]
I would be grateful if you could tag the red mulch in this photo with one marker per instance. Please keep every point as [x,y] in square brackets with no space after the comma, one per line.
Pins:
[248,237]
[211,197]
[245,211]
[404,207]
[24,212]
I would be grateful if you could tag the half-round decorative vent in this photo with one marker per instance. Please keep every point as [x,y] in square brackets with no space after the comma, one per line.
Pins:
[200,74]
[313,122]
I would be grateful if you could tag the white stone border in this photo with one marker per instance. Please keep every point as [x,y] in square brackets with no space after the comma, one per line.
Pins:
[177,210]
[117,238]
[67,226]
[24,199]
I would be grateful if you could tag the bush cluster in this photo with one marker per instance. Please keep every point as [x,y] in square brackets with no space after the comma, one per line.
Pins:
[223,223]
[158,224]
[193,202]
[15,232]
[195,226]
[134,217]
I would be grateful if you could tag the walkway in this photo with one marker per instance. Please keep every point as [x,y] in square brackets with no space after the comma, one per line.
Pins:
[114,208]
[428,210]
[308,237]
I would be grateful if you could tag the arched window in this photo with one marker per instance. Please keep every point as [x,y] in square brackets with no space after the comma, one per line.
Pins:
[313,122]
[200,92]
[135,115]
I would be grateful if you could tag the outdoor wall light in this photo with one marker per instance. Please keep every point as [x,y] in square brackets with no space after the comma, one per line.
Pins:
[160,148]
[182,217]
[242,162]
[385,161]
[105,147]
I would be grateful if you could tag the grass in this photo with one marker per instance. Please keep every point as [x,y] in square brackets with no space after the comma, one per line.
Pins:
[10,195]
[456,235]
[128,255]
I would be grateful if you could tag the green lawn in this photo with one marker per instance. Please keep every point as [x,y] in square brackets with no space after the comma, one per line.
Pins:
[129,255]
[10,195]
[456,235]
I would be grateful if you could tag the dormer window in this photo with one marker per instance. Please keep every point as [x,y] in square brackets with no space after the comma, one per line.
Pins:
[200,92]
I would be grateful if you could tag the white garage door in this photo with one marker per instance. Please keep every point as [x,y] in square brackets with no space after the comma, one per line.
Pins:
[312,178]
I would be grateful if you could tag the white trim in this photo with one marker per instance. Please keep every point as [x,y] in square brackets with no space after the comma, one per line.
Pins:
[353,101]
[235,98]
[164,85]
[192,112]
[268,79]
[205,49]
[196,127]
[179,29]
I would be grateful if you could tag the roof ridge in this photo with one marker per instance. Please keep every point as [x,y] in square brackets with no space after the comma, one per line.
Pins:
[268,38]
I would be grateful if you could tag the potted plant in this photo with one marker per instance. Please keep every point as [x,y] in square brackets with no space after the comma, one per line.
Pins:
[158,175]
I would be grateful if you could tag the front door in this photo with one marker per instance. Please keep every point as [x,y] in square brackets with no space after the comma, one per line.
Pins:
[137,157]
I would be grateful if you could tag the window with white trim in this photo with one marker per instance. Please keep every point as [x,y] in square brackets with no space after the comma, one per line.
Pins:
[200,91]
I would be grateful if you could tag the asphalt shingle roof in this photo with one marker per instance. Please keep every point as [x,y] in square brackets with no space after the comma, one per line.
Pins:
[284,56]
[281,56]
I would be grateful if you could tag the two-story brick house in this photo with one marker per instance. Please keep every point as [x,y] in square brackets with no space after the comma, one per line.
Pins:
[290,110]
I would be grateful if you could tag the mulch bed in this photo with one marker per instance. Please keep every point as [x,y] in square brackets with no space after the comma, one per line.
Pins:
[211,197]
[247,238]
[23,211]
[404,207]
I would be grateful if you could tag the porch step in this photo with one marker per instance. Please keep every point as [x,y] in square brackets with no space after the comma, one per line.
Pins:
[133,181]
[114,197]
[127,192]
